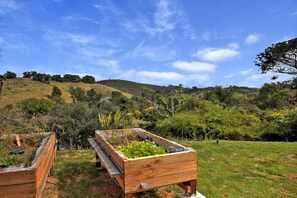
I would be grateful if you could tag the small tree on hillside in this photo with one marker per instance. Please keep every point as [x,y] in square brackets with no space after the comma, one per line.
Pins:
[56,92]
[10,75]
[88,79]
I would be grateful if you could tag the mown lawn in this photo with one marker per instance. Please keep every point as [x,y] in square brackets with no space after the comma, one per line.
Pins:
[227,169]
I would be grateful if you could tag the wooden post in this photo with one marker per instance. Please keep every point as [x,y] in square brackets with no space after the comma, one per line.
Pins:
[189,186]
[193,187]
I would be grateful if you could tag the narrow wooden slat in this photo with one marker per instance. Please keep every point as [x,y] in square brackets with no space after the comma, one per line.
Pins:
[171,158]
[18,191]
[110,166]
[132,186]
[17,177]
[158,171]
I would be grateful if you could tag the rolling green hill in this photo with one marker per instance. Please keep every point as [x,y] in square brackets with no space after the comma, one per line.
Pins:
[15,90]
[134,88]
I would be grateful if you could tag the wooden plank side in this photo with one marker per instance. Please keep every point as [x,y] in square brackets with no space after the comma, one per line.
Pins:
[18,191]
[157,170]
[44,164]
[161,140]
[17,177]
[135,185]
[147,162]
[109,149]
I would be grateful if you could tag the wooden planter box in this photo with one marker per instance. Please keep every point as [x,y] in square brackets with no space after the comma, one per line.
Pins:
[30,182]
[141,174]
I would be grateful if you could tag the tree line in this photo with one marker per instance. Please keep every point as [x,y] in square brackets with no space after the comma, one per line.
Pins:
[46,78]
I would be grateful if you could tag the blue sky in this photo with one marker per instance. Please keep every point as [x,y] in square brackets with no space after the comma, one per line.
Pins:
[190,42]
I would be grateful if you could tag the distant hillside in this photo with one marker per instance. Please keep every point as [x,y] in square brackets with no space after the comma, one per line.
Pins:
[134,88]
[15,90]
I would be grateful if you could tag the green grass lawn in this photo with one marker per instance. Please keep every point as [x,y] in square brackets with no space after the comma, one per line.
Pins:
[227,169]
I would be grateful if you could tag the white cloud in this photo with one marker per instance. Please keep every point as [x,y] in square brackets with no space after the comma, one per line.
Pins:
[163,78]
[161,75]
[252,38]
[109,63]
[218,54]
[154,53]
[97,52]
[229,76]
[81,39]
[194,66]
[167,17]
[257,80]
[6,5]
[245,72]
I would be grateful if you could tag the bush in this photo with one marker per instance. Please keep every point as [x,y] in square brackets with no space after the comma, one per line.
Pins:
[88,79]
[34,107]
[10,75]
[76,123]
[211,120]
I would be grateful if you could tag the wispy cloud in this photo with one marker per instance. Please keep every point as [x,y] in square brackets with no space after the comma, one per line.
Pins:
[79,38]
[239,73]
[194,66]
[75,18]
[111,63]
[6,5]
[161,75]
[163,78]
[245,72]
[96,52]
[166,18]
[154,53]
[252,38]
[257,80]
[218,54]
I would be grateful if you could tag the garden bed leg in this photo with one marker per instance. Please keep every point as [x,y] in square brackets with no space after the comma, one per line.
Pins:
[98,163]
[193,186]
[189,186]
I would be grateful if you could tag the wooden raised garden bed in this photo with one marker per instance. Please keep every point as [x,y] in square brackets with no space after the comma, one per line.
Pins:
[144,173]
[30,181]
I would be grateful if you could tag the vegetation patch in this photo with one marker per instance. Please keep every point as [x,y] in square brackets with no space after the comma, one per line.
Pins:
[144,148]
[12,154]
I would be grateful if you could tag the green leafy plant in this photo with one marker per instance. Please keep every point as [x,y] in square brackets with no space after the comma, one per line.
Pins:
[142,148]
[10,160]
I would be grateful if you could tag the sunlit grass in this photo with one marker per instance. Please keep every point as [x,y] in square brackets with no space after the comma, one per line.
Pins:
[15,90]
[227,169]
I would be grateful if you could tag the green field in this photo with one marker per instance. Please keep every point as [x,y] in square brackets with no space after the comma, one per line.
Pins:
[15,90]
[227,169]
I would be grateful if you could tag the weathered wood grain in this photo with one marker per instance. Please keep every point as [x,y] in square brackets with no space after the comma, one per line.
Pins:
[31,181]
[110,150]
[150,172]
[110,166]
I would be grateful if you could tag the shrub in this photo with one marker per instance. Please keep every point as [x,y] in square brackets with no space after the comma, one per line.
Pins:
[211,120]
[34,107]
